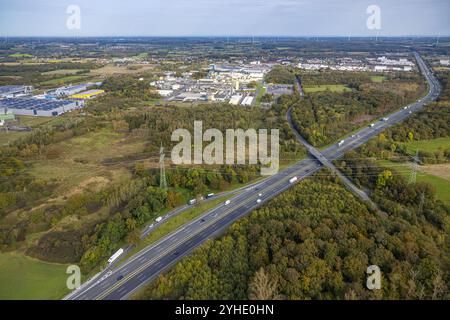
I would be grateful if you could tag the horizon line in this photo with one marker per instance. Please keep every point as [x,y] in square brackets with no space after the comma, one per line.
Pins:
[228,36]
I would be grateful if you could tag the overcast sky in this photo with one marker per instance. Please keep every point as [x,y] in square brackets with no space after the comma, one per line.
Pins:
[223,17]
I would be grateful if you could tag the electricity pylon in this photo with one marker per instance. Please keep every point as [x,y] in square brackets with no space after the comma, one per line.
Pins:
[162,169]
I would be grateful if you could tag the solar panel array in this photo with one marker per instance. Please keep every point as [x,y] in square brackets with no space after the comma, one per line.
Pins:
[10,89]
[34,104]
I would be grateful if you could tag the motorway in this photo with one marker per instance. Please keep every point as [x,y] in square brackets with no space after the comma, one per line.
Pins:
[324,161]
[157,258]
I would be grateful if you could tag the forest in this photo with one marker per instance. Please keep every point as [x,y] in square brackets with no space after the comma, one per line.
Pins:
[315,242]
[430,123]
[115,215]
[325,116]
[280,75]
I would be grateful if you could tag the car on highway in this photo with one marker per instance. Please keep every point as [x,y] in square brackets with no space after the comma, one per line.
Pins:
[105,276]
[159,219]
[192,202]
[341,143]
[209,195]
[372,125]
[227,202]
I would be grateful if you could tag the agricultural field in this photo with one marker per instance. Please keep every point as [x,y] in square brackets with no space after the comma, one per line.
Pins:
[432,145]
[20,55]
[110,70]
[327,87]
[62,72]
[63,80]
[377,79]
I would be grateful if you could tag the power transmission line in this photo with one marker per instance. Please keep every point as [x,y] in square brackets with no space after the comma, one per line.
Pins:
[162,169]
[413,176]
[422,200]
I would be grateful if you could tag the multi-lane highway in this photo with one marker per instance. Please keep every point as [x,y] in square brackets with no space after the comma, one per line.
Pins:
[159,257]
[324,161]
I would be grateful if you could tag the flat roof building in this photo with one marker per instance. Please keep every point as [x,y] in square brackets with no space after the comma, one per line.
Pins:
[14,91]
[248,100]
[71,90]
[38,107]
[235,99]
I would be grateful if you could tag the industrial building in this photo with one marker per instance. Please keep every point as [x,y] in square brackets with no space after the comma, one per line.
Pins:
[236,99]
[15,91]
[248,100]
[68,91]
[71,90]
[87,95]
[37,107]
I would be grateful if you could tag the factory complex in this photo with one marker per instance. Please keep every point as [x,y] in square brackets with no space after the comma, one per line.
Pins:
[18,100]
[234,84]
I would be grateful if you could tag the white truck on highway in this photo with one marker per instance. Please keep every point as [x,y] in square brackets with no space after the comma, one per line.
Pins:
[115,256]
[159,219]
[341,143]
[293,179]
[192,202]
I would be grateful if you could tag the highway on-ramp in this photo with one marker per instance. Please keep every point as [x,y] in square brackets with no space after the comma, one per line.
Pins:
[147,264]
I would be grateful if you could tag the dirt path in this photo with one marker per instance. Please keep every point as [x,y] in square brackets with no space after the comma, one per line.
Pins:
[439,170]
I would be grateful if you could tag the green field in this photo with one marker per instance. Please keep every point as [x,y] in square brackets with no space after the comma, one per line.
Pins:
[441,185]
[25,121]
[7,138]
[81,159]
[25,278]
[324,87]
[428,145]
[63,80]
[63,72]
[378,79]
[20,55]
[261,92]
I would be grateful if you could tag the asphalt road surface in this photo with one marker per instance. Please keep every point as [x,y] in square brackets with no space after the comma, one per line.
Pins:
[146,265]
